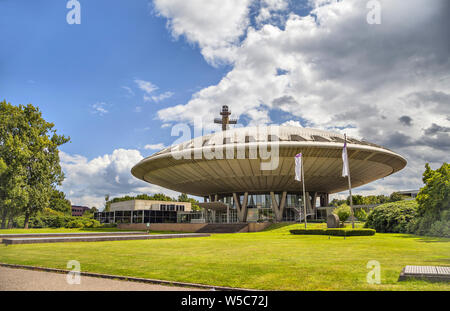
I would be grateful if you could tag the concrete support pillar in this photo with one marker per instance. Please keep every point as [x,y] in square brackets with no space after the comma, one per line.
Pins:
[308,203]
[313,203]
[241,208]
[278,209]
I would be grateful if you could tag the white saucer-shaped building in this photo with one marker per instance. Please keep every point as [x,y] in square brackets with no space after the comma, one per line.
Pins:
[249,172]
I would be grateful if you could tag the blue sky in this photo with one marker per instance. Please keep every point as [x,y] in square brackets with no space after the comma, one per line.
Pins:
[121,79]
[65,69]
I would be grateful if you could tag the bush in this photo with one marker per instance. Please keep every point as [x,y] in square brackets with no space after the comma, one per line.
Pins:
[57,221]
[392,217]
[361,214]
[335,232]
[343,212]
[440,229]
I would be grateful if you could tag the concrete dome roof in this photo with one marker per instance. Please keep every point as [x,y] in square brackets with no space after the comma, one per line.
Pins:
[200,175]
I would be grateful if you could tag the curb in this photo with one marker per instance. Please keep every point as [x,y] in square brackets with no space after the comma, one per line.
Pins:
[127,278]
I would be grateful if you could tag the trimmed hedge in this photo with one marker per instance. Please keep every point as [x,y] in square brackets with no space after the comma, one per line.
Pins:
[335,232]
[52,221]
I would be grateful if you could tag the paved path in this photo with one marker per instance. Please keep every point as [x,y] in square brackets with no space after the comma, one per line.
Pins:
[28,280]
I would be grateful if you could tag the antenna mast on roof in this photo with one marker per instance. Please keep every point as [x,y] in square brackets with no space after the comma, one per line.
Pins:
[225,120]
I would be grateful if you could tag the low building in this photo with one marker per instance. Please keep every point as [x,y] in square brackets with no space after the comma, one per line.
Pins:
[146,211]
[411,194]
[79,210]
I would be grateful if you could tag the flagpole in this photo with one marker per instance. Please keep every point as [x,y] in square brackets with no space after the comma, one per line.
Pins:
[350,186]
[304,196]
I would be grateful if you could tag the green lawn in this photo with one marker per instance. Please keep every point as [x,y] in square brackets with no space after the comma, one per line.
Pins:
[74,230]
[59,230]
[272,259]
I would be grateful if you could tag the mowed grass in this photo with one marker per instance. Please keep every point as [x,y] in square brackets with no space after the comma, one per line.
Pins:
[270,260]
[73,230]
[58,230]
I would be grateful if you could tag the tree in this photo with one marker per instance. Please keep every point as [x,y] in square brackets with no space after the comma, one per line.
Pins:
[59,203]
[183,198]
[434,198]
[107,203]
[194,203]
[29,149]
[162,197]
[395,196]
[357,200]
[343,212]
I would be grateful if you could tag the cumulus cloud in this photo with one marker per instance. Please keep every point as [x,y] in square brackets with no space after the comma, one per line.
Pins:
[292,123]
[154,146]
[88,181]
[385,83]
[214,25]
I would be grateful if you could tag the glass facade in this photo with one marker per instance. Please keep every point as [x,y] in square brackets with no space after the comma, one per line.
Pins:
[259,206]
[259,209]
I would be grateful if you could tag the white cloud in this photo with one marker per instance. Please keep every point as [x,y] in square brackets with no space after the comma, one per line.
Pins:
[129,90]
[165,95]
[215,25]
[339,73]
[292,123]
[146,86]
[88,181]
[154,146]
[99,108]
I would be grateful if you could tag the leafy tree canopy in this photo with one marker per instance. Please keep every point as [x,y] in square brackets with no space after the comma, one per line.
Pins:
[30,160]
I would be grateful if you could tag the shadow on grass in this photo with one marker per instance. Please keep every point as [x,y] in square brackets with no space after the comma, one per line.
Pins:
[425,239]
[276,226]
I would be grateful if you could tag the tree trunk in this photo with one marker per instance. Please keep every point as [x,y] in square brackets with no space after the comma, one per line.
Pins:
[27,219]
[4,219]
[10,222]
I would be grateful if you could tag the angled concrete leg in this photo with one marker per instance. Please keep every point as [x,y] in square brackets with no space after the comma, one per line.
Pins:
[275,206]
[241,208]
[313,202]
[282,204]
[278,209]
[308,203]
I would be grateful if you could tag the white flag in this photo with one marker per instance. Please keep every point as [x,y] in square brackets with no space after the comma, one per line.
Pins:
[298,167]
[345,168]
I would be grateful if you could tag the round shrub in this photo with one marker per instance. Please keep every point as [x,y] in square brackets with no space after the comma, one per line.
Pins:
[361,214]
[392,217]
[343,212]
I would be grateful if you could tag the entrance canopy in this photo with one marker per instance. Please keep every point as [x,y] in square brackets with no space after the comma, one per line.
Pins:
[216,206]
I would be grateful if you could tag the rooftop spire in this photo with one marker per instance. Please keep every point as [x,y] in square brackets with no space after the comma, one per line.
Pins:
[225,120]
